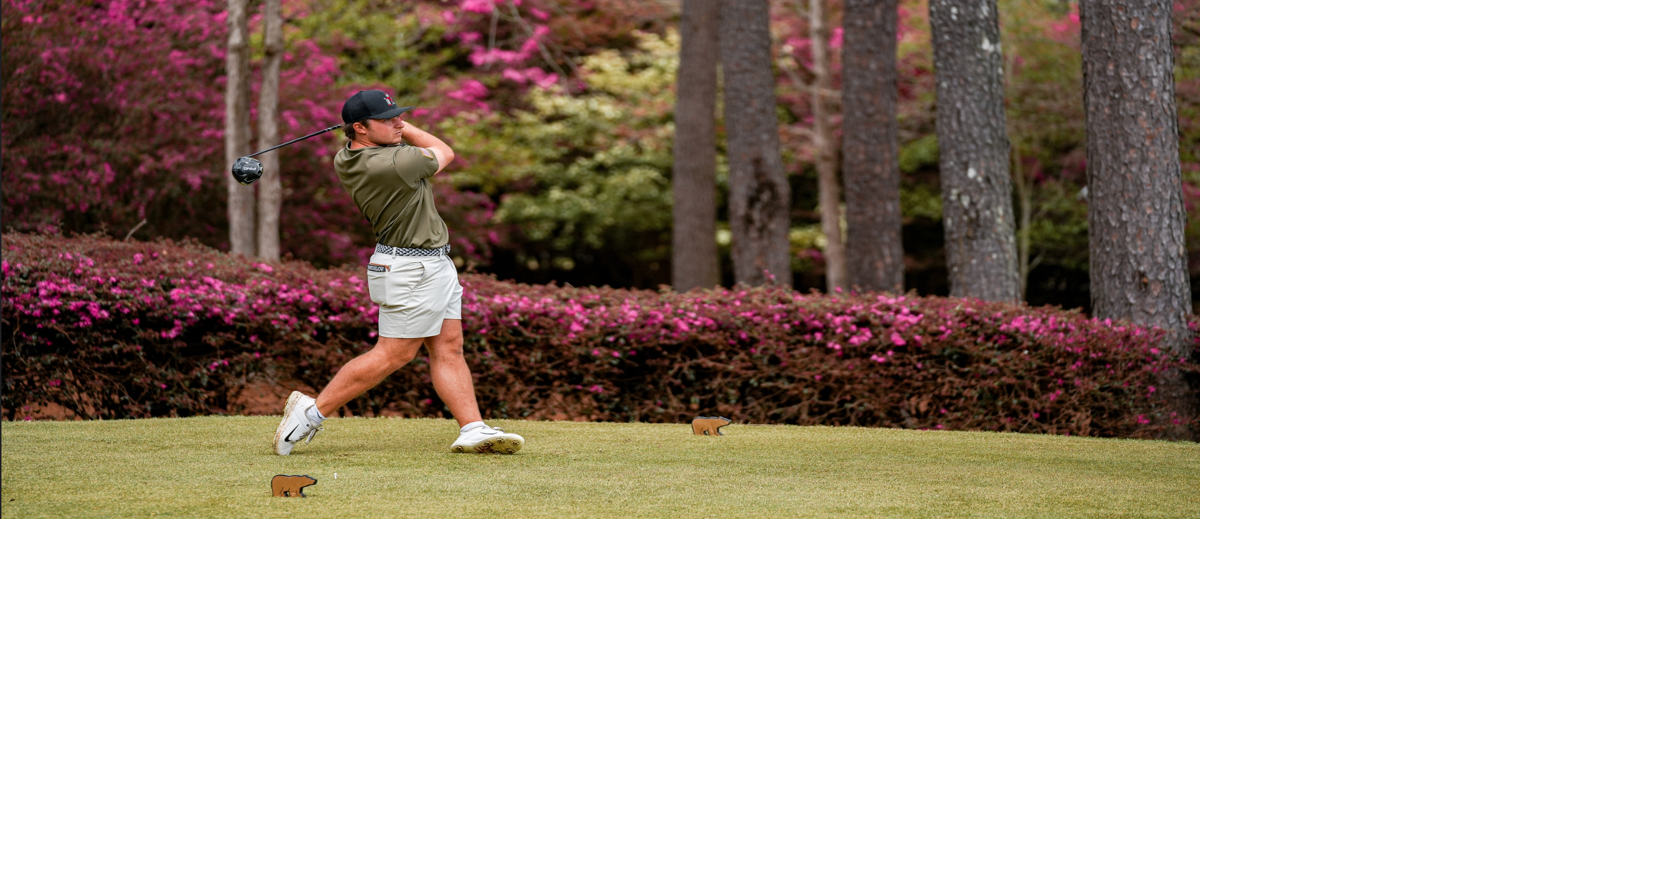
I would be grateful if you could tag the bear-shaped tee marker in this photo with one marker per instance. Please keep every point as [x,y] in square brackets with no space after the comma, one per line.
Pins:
[291,486]
[708,426]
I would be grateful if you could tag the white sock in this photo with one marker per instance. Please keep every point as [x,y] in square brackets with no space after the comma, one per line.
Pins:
[471,426]
[314,417]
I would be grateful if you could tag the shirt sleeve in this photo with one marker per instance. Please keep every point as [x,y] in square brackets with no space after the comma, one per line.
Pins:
[414,163]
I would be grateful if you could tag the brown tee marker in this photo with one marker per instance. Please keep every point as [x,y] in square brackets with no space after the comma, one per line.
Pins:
[291,486]
[708,426]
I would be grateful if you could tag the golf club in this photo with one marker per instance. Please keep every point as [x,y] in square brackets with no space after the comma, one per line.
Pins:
[247,170]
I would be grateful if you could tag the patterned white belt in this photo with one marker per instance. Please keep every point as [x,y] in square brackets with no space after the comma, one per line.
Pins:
[414,251]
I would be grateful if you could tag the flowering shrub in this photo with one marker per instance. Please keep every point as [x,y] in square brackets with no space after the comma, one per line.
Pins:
[111,329]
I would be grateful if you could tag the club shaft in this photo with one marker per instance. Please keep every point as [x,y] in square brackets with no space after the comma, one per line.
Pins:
[289,142]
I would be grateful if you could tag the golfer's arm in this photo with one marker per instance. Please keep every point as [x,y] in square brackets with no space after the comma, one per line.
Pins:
[419,137]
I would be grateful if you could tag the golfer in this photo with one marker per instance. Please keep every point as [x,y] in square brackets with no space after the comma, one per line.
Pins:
[386,167]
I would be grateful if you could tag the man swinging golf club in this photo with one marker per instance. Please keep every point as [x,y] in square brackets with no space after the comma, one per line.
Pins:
[386,167]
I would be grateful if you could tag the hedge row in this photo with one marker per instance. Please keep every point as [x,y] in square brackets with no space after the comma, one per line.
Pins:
[109,329]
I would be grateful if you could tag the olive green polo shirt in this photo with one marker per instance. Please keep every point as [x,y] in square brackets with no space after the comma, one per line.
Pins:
[391,186]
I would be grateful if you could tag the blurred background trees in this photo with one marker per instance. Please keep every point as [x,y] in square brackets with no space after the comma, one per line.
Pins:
[562,112]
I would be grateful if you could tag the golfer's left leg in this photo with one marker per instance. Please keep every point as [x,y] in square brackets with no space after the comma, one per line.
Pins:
[451,374]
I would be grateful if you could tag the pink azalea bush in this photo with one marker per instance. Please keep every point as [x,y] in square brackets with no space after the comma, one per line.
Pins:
[110,329]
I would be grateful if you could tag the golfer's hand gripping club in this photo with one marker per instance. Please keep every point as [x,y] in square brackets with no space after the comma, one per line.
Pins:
[247,170]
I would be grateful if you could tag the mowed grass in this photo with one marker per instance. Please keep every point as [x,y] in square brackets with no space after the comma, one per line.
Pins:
[221,467]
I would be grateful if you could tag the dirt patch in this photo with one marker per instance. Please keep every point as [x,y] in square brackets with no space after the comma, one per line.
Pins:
[260,399]
[269,398]
[50,411]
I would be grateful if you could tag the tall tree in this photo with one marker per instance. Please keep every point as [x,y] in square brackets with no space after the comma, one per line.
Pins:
[758,198]
[696,258]
[240,200]
[974,150]
[870,144]
[825,148]
[270,191]
[1139,270]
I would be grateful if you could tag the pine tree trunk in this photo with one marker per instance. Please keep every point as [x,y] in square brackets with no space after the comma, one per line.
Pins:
[758,189]
[240,199]
[824,144]
[1139,270]
[270,191]
[870,144]
[974,150]
[696,256]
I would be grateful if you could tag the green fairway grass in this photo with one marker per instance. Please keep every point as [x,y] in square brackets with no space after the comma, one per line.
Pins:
[221,467]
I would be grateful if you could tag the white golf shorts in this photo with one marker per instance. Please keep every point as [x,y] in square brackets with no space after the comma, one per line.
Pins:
[413,294]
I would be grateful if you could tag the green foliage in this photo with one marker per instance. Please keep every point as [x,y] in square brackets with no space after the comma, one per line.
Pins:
[586,171]
[382,43]
[918,199]
[1045,112]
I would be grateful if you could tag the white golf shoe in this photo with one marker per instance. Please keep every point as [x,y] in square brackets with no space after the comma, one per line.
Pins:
[488,440]
[294,426]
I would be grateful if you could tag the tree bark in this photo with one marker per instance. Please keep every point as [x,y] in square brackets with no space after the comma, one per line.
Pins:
[270,190]
[758,188]
[1139,270]
[696,256]
[240,200]
[974,150]
[824,144]
[870,144]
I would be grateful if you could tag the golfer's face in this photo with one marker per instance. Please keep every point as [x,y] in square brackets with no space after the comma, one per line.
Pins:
[384,131]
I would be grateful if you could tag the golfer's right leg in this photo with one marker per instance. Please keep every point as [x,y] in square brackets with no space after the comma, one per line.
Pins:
[303,416]
[367,371]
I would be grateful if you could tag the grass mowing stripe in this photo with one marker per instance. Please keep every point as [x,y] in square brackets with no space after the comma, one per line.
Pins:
[220,467]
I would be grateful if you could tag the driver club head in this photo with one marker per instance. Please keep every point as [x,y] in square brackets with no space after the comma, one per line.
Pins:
[246,170]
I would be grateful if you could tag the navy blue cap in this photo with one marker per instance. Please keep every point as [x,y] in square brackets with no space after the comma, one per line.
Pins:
[370,104]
